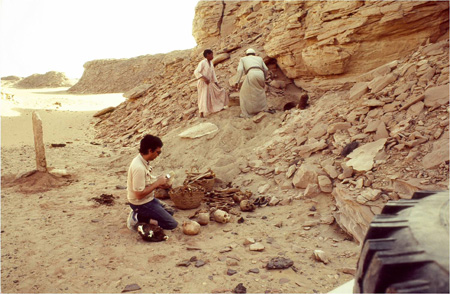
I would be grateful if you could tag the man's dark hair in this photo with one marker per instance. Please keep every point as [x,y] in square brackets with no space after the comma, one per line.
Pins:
[150,142]
[206,52]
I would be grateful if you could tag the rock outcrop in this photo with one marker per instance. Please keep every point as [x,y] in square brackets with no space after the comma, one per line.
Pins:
[322,44]
[51,79]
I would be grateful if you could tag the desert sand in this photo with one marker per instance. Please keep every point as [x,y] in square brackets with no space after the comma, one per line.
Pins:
[56,239]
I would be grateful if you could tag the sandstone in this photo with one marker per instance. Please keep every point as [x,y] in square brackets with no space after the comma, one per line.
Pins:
[312,190]
[372,103]
[137,92]
[415,109]
[318,131]
[291,170]
[257,247]
[379,83]
[320,255]
[305,175]
[362,158]
[437,96]
[199,130]
[278,84]
[104,111]
[259,117]
[439,153]
[331,171]
[220,58]
[372,126]
[347,171]
[263,189]
[358,90]
[381,132]
[412,100]
[338,126]
[325,184]
[249,241]
[274,201]
[351,216]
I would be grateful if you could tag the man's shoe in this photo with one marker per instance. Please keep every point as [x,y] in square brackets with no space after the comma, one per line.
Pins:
[132,220]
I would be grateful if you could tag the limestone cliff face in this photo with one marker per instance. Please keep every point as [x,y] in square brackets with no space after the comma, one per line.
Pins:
[322,43]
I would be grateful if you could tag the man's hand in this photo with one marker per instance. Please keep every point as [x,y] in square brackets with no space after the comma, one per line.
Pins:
[162,181]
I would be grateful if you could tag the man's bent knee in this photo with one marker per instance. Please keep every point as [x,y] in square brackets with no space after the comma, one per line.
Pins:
[170,225]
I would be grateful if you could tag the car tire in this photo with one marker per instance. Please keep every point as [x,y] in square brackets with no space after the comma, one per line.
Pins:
[406,248]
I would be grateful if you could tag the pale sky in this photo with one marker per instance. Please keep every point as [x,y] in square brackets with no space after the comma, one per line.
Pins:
[37,36]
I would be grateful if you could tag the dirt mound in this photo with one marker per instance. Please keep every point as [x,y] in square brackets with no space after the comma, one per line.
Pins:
[51,79]
[11,78]
[34,182]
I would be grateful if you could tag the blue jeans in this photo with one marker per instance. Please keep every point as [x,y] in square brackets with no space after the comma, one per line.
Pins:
[154,210]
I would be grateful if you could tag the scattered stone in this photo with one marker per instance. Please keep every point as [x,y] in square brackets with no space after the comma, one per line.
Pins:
[184,263]
[362,158]
[131,287]
[436,96]
[254,270]
[249,241]
[305,175]
[320,255]
[279,263]
[120,187]
[284,281]
[240,289]
[199,130]
[348,270]
[104,111]
[137,92]
[312,190]
[257,247]
[331,171]
[325,184]
[199,263]
[231,272]
[274,201]
[259,117]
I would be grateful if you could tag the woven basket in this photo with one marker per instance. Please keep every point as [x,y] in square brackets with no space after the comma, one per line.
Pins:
[187,197]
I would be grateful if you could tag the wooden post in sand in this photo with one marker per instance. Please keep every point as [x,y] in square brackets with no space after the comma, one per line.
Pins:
[41,162]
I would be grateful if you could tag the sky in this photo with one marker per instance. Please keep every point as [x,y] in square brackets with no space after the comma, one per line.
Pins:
[37,36]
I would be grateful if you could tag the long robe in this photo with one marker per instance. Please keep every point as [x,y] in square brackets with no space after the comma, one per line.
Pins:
[252,96]
[211,98]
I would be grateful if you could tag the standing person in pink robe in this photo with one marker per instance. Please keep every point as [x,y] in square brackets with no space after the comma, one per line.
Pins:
[211,97]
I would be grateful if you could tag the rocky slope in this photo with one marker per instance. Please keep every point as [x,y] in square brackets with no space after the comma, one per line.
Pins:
[376,73]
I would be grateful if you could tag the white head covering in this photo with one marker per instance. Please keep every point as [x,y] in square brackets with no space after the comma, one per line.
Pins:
[250,51]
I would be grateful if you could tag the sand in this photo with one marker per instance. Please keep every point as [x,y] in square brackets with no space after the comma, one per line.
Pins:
[56,239]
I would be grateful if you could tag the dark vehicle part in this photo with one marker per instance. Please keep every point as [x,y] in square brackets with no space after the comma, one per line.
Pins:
[406,249]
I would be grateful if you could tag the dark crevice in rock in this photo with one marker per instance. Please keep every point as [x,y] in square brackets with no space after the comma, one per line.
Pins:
[219,24]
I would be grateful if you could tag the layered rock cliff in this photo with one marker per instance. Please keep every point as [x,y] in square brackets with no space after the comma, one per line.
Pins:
[322,43]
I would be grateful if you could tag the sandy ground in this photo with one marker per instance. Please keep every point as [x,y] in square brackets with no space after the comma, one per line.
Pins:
[60,241]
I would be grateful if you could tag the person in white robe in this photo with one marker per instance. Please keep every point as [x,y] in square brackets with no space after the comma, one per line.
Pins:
[211,97]
[252,96]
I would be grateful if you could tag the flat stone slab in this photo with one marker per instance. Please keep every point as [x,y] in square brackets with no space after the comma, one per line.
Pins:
[199,130]
[362,157]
